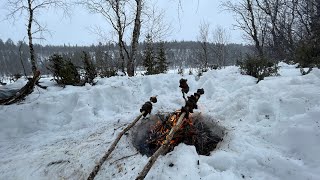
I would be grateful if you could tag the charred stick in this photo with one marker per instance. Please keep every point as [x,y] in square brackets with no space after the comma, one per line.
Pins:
[191,104]
[157,138]
[175,128]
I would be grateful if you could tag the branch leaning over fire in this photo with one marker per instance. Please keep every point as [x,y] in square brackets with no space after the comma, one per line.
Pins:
[191,104]
[145,110]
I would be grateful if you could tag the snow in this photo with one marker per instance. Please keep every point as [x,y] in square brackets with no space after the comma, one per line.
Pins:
[272,128]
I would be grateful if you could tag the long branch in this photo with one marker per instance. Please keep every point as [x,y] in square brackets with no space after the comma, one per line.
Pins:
[163,148]
[96,169]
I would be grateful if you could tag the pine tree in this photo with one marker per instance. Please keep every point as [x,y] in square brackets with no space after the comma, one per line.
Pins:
[315,28]
[148,55]
[99,59]
[308,49]
[64,71]
[162,64]
[89,68]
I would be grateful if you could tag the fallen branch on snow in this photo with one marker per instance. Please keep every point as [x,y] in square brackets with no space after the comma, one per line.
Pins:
[146,109]
[123,158]
[23,92]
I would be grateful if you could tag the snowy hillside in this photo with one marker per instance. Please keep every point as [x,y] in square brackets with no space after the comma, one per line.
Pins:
[272,128]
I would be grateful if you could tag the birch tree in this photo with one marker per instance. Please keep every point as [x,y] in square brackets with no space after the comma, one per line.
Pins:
[220,40]
[31,9]
[251,20]
[203,38]
[116,13]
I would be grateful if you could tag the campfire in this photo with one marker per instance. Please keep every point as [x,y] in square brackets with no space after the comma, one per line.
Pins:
[195,129]
[198,130]
[161,133]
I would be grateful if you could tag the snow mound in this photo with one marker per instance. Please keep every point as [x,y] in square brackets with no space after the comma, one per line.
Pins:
[272,128]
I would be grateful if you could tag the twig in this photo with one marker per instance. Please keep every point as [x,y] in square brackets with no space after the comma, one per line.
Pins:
[40,86]
[123,158]
[58,162]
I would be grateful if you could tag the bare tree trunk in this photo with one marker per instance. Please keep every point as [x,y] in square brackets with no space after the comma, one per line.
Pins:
[205,51]
[135,39]
[120,30]
[21,61]
[254,29]
[32,55]
[122,58]
[204,40]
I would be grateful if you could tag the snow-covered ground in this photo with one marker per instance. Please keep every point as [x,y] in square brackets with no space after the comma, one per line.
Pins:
[272,128]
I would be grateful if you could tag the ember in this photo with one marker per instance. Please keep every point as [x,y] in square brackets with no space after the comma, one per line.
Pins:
[196,130]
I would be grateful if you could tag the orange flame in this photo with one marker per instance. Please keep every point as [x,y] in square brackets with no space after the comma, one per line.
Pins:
[161,129]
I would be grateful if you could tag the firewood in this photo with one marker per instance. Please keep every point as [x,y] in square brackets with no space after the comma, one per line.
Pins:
[163,148]
[191,104]
[96,169]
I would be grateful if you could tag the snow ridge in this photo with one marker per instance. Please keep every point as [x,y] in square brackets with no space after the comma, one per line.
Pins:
[272,128]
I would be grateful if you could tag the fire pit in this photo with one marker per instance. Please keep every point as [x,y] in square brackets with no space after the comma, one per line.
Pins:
[197,130]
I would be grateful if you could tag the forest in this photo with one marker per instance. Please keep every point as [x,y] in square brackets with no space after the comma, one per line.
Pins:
[13,57]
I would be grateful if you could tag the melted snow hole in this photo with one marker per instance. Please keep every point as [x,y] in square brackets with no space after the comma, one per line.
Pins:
[204,134]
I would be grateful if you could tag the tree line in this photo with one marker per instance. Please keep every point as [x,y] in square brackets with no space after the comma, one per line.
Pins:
[279,30]
[15,57]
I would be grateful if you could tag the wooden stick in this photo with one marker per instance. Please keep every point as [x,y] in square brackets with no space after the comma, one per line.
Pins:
[96,169]
[163,148]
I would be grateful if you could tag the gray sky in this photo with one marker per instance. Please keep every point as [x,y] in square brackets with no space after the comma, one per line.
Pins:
[78,28]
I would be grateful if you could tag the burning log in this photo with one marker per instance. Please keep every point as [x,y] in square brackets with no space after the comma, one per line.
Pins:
[145,110]
[191,104]
[162,149]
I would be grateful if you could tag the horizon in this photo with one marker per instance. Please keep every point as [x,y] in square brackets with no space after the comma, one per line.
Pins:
[115,44]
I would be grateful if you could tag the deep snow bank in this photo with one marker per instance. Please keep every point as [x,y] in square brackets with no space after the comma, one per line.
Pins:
[272,128]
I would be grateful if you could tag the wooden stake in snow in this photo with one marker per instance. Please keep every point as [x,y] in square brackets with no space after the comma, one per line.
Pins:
[191,104]
[146,109]
[163,148]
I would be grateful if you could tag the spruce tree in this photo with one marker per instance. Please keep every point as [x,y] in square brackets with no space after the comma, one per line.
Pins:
[90,69]
[63,70]
[162,64]
[148,56]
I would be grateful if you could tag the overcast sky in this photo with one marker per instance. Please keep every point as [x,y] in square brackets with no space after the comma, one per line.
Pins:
[78,28]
